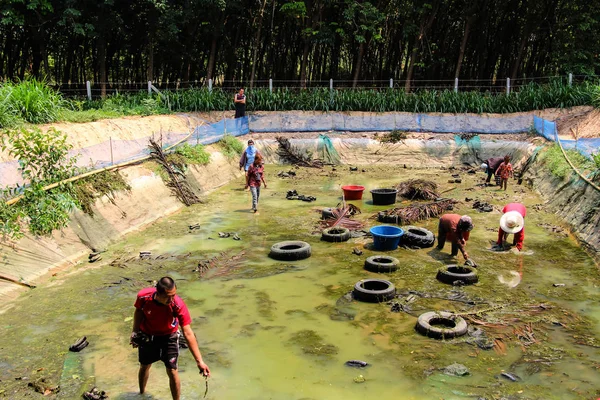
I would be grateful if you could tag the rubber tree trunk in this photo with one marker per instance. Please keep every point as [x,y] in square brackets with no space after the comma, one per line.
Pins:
[256,42]
[150,65]
[359,58]
[463,46]
[423,29]
[102,65]
[211,58]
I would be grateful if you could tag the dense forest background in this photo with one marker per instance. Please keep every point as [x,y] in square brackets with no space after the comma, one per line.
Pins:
[250,41]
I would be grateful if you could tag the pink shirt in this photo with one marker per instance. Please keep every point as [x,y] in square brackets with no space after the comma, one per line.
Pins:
[519,236]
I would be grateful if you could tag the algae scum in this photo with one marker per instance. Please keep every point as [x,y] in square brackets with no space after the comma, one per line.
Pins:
[284,330]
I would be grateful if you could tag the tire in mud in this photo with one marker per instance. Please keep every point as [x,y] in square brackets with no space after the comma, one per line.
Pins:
[462,273]
[374,290]
[290,250]
[441,325]
[387,219]
[335,234]
[381,264]
[417,237]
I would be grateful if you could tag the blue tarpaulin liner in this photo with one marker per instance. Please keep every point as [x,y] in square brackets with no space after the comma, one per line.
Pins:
[586,146]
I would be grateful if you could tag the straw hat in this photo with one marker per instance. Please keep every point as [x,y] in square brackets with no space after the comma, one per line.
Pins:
[512,222]
[484,166]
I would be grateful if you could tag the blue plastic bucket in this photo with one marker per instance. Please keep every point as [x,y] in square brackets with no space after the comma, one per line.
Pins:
[386,237]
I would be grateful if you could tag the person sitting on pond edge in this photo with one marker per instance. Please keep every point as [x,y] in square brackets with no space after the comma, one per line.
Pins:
[512,221]
[456,229]
[239,100]
[159,313]
[256,175]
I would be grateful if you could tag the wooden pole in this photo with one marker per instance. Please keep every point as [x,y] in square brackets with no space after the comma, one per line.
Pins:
[6,278]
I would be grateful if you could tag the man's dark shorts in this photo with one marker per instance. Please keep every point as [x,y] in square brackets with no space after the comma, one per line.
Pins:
[163,348]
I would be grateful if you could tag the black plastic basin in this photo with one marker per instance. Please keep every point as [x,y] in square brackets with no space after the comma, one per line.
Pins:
[384,197]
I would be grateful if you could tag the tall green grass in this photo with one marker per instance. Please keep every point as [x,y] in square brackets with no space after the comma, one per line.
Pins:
[230,146]
[30,101]
[533,96]
[558,166]
[34,102]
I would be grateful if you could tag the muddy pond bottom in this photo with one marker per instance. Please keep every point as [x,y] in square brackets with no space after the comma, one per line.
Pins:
[274,329]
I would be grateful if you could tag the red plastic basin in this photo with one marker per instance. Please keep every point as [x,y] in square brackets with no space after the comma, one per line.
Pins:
[353,192]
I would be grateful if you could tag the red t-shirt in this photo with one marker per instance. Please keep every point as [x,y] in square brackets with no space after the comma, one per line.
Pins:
[160,319]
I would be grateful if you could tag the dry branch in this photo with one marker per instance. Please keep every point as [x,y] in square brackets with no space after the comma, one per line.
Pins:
[177,181]
[341,217]
[417,212]
[293,155]
[418,189]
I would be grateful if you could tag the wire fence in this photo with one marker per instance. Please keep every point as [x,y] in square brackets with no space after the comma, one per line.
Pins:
[91,89]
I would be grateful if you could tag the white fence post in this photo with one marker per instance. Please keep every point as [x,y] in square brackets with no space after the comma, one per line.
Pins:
[570,79]
[391,83]
[150,88]
[455,85]
[210,85]
[270,85]
[88,88]
[507,85]
[331,84]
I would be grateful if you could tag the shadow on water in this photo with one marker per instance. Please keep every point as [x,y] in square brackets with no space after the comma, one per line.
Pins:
[284,330]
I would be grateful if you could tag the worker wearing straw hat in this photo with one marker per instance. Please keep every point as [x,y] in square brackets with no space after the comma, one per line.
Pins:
[513,222]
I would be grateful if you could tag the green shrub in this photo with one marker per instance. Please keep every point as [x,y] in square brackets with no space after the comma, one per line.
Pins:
[230,146]
[43,160]
[193,154]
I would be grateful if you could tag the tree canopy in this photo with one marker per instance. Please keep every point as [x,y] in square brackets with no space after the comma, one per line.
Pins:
[249,41]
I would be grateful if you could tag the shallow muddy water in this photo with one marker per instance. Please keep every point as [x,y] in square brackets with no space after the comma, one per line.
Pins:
[283,330]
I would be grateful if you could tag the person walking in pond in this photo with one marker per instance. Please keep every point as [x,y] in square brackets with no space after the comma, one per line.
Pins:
[505,171]
[456,229]
[256,175]
[490,166]
[239,100]
[248,158]
[159,313]
[512,221]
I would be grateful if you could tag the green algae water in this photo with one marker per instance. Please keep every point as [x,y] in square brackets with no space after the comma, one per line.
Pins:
[283,330]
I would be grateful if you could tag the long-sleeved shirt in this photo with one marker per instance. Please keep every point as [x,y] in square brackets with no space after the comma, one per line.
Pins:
[449,225]
[519,236]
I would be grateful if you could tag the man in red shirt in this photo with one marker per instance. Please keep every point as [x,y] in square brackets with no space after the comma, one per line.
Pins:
[512,221]
[456,229]
[159,313]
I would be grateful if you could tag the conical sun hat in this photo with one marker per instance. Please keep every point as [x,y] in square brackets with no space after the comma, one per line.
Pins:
[512,222]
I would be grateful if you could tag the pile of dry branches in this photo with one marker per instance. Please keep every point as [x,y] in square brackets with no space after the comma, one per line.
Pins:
[290,154]
[177,181]
[341,217]
[416,212]
[417,189]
